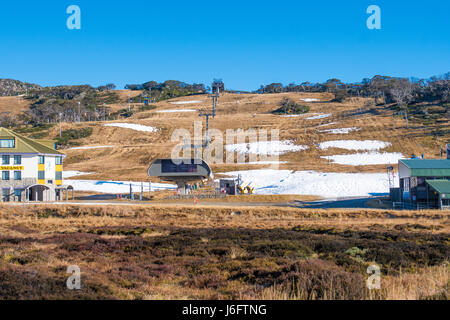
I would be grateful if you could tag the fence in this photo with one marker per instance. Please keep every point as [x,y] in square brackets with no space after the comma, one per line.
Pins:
[412,206]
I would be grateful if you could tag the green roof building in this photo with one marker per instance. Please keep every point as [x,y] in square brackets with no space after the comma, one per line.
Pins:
[425,182]
[31,170]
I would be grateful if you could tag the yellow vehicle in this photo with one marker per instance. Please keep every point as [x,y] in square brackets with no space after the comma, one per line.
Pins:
[246,188]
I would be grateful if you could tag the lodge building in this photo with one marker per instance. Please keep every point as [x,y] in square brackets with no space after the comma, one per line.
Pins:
[31,169]
[425,183]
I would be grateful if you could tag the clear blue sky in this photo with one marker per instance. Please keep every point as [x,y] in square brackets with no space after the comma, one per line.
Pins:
[246,43]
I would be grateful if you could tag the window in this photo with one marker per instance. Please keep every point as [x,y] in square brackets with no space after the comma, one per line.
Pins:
[50,181]
[5,159]
[6,193]
[5,175]
[17,175]
[41,159]
[18,194]
[59,161]
[168,166]
[41,175]
[406,185]
[18,159]
[7,143]
[58,176]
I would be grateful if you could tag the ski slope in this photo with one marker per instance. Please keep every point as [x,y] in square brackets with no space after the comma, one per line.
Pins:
[326,185]
[274,148]
[365,159]
[132,126]
[370,145]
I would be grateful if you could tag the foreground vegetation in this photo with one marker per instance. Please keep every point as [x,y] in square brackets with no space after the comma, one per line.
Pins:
[175,252]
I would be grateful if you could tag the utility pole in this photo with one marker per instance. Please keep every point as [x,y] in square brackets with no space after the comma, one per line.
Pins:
[60,129]
[79,111]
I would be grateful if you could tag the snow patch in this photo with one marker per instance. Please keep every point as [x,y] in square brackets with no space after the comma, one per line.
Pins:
[266,147]
[364,159]
[327,185]
[340,131]
[116,186]
[320,116]
[70,174]
[355,145]
[132,126]
[326,124]
[310,100]
[299,115]
[267,162]
[187,102]
[91,147]
[175,111]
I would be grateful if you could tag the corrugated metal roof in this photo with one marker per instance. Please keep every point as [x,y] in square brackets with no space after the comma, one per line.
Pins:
[426,163]
[428,168]
[25,145]
[441,186]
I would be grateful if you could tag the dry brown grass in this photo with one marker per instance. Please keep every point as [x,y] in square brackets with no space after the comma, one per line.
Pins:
[203,252]
[14,105]
[246,111]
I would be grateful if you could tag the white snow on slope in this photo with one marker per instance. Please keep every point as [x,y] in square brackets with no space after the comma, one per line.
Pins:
[176,111]
[320,116]
[340,131]
[187,102]
[91,147]
[70,174]
[326,124]
[132,126]
[327,185]
[266,147]
[266,162]
[355,144]
[310,100]
[115,186]
[364,159]
[298,115]
[291,115]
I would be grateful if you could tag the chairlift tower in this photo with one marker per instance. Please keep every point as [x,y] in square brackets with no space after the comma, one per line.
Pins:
[206,115]
[391,176]
[217,87]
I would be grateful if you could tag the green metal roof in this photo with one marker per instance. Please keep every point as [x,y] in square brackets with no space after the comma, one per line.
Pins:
[25,145]
[428,168]
[441,186]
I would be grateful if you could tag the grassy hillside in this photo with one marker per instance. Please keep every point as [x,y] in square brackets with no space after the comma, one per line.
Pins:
[132,151]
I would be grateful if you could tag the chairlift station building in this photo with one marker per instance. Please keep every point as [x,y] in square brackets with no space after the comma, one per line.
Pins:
[180,171]
[31,170]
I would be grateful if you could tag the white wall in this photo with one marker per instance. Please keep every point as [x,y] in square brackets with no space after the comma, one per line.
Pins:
[30,164]
[403,171]
[50,167]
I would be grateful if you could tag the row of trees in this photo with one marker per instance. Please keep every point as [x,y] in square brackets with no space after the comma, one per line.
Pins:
[169,89]
[383,89]
[69,104]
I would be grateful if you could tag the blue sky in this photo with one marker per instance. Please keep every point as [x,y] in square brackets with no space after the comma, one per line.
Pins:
[246,43]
